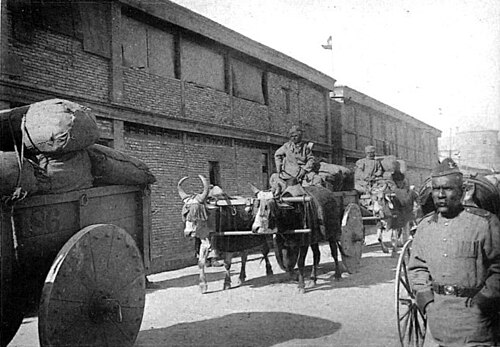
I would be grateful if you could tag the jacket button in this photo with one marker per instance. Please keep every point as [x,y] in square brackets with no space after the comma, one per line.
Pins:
[445,255]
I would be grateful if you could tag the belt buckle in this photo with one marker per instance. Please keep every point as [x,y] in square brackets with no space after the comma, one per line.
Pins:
[449,290]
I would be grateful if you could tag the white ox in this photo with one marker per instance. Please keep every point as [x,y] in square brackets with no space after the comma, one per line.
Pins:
[203,220]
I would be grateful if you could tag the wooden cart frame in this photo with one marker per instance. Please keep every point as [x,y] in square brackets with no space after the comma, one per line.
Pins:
[83,256]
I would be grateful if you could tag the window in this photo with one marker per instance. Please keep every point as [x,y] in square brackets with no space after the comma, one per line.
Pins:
[146,47]
[214,172]
[265,170]
[202,65]
[286,100]
[249,82]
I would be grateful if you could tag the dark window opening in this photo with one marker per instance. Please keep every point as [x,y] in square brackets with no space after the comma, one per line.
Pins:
[286,100]
[265,170]
[214,172]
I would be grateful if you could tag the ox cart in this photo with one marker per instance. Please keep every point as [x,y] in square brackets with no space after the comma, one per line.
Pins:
[479,191]
[81,256]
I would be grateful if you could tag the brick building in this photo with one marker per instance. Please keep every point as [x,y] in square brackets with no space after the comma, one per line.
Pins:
[187,96]
[180,92]
[361,120]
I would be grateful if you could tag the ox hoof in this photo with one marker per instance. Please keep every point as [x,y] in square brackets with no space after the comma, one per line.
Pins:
[227,286]
[311,284]
[394,253]
[203,288]
[302,290]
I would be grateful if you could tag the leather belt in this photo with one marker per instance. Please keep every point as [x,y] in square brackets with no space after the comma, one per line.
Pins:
[463,292]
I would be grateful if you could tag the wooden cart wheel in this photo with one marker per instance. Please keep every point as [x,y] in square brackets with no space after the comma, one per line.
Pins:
[411,322]
[352,237]
[12,301]
[94,293]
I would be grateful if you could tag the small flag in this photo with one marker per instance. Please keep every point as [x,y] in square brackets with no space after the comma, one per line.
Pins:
[328,43]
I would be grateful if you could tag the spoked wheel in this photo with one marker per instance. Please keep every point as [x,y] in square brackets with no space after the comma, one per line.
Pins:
[412,323]
[94,292]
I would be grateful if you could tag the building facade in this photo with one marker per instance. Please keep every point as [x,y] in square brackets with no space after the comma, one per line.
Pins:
[361,120]
[475,150]
[188,96]
[180,92]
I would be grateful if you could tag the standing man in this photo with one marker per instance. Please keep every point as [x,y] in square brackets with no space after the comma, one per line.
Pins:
[454,268]
[367,171]
[295,160]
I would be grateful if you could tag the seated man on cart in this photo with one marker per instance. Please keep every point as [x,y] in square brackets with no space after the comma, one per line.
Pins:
[368,170]
[295,161]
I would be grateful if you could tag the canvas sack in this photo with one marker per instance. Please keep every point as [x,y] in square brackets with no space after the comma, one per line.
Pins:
[110,166]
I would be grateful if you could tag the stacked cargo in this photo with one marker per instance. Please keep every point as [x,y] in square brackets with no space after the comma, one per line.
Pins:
[50,147]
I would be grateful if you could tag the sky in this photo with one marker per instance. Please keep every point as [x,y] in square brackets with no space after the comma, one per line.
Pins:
[435,60]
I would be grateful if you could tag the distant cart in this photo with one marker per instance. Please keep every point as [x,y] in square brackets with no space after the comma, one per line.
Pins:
[81,256]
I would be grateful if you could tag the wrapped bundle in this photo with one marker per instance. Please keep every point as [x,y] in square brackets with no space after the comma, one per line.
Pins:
[390,163]
[66,172]
[9,174]
[336,177]
[50,126]
[110,166]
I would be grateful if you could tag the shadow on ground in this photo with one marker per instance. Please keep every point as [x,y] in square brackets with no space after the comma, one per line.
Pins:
[258,329]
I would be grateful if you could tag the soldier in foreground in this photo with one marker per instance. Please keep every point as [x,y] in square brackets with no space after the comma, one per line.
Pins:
[454,266]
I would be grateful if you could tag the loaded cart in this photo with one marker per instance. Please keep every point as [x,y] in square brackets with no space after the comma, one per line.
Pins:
[82,257]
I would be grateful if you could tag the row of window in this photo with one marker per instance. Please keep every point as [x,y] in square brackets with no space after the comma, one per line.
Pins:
[163,53]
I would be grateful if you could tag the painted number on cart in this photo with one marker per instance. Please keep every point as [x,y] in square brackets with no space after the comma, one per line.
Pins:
[45,221]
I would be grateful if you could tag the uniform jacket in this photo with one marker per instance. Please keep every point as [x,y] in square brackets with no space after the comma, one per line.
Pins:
[292,158]
[462,251]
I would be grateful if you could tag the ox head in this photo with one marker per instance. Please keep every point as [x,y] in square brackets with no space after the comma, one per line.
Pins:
[194,213]
[264,207]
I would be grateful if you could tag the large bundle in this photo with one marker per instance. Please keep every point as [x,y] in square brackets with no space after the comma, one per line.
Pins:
[11,175]
[110,166]
[66,172]
[391,164]
[336,177]
[50,126]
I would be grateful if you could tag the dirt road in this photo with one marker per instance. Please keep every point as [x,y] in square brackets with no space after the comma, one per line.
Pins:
[356,311]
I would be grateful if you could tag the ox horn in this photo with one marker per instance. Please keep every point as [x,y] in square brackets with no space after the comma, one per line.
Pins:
[201,197]
[181,191]
[255,190]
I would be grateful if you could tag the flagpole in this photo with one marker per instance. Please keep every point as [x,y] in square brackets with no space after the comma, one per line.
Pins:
[333,63]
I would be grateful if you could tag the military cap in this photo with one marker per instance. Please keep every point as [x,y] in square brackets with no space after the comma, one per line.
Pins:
[445,168]
[295,129]
[369,148]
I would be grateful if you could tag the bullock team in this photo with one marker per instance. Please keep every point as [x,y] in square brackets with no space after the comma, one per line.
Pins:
[298,212]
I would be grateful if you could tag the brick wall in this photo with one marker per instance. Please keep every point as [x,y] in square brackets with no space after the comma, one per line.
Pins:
[171,156]
[280,120]
[56,65]
[58,62]
[151,92]
[312,113]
